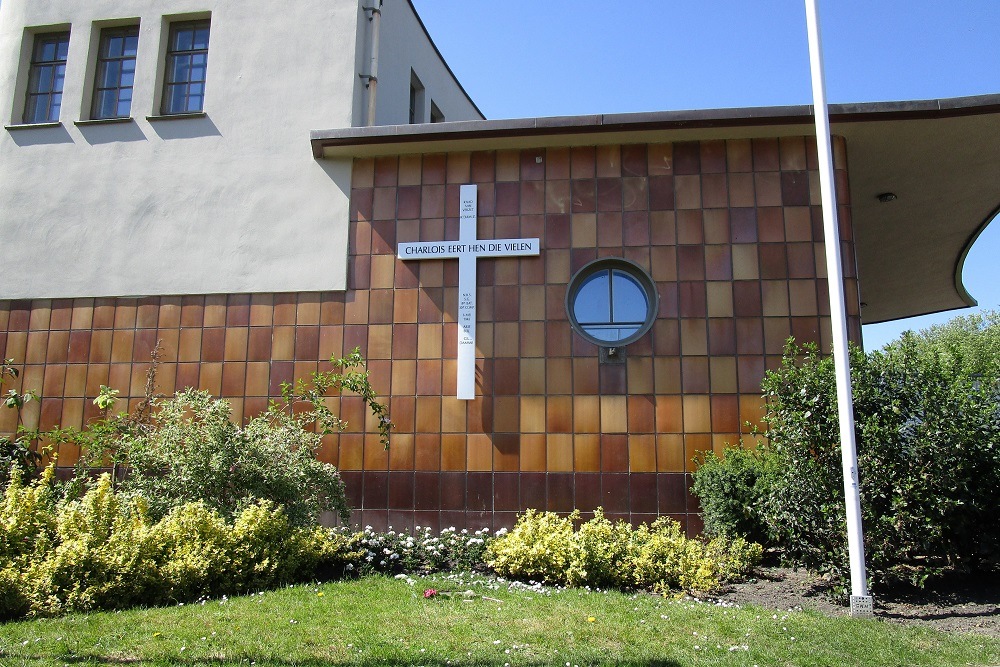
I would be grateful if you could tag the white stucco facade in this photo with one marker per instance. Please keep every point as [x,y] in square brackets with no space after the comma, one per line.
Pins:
[228,201]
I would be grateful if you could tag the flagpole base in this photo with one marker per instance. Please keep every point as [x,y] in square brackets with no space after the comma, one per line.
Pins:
[861,606]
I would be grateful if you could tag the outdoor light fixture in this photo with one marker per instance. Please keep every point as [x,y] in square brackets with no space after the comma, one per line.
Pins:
[886,197]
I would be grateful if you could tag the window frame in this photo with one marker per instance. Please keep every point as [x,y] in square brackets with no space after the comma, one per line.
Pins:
[61,37]
[125,31]
[168,67]
[610,265]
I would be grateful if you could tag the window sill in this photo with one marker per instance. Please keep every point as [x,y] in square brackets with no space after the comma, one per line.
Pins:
[177,116]
[103,121]
[32,126]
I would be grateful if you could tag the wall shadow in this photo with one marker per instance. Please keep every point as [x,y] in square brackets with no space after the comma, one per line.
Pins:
[182,127]
[40,136]
[111,133]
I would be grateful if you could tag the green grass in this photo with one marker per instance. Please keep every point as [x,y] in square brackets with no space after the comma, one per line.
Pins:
[379,621]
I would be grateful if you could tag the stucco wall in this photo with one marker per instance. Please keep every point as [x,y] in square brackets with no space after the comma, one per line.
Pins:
[403,47]
[229,202]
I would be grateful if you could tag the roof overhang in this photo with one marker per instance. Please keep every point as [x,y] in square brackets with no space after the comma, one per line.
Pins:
[941,158]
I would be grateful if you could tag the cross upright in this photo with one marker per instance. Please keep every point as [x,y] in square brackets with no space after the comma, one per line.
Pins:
[467,249]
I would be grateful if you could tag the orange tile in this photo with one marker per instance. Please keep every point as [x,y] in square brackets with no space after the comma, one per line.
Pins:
[37,347]
[97,374]
[352,448]
[642,453]
[559,375]
[586,375]
[723,374]
[669,414]
[453,415]
[587,452]
[506,339]
[720,299]
[608,161]
[233,379]
[404,377]
[283,343]
[640,375]
[532,452]
[375,456]
[614,414]
[236,344]
[767,188]
[532,340]
[168,339]
[83,314]
[559,452]
[401,454]
[660,158]
[215,310]
[356,307]
[54,380]
[640,414]
[559,414]
[745,263]
[557,266]
[188,346]
[480,452]
[379,341]
[506,414]
[210,378]
[802,297]
[508,165]
[532,304]
[667,375]
[696,446]
[41,312]
[17,343]
[583,230]
[532,414]
[453,451]
[76,380]
[532,376]
[121,345]
[687,192]
[257,378]
[697,414]
[694,337]
[670,452]
[429,341]
[428,414]
[586,414]
[427,451]
[404,306]
[261,309]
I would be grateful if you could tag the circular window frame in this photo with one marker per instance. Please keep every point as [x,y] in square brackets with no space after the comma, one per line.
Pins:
[633,270]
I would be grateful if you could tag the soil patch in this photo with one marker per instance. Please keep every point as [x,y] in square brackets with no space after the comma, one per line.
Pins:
[955,603]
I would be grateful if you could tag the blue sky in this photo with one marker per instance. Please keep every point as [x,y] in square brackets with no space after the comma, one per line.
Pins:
[522,58]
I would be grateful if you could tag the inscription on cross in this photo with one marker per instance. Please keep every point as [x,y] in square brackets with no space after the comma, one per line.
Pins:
[467,249]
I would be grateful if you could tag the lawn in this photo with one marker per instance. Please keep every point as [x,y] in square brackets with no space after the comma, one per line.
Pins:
[382,621]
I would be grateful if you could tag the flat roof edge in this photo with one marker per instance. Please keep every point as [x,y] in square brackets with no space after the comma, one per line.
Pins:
[343,139]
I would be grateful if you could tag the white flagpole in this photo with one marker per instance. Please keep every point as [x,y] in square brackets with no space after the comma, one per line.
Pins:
[861,601]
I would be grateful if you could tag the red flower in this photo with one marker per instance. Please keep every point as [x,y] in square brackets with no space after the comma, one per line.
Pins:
[430,592]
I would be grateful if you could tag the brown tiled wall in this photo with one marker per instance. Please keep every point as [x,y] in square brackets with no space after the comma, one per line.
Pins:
[730,232]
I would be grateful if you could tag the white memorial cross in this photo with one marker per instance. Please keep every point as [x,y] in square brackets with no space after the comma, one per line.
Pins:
[467,249]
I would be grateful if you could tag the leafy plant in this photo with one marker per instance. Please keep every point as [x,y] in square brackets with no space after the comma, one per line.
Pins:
[21,449]
[927,412]
[731,489]
[544,547]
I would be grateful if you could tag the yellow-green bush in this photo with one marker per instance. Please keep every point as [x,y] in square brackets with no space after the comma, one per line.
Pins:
[541,547]
[103,551]
[544,547]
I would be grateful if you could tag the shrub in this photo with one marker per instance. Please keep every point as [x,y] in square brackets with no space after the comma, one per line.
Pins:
[541,547]
[658,556]
[928,437]
[731,489]
[103,551]
[192,452]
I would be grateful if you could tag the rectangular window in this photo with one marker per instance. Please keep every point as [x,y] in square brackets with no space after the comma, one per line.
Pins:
[45,77]
[115,72]
[186,68]
[416,99]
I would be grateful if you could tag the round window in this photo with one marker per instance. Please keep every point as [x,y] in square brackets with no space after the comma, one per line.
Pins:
[611,302]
